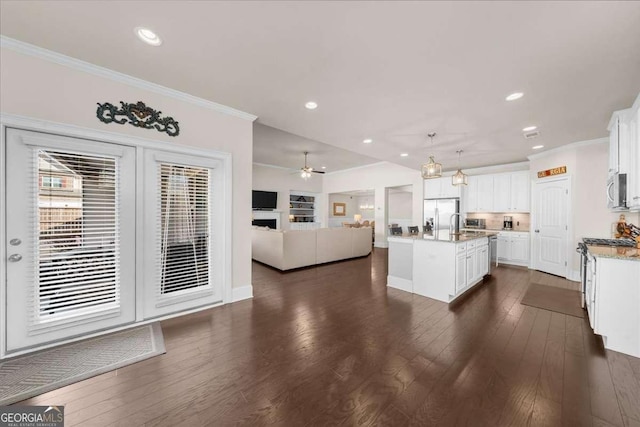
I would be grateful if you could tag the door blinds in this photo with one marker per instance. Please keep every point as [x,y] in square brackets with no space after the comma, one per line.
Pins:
[77,234]
[184,208]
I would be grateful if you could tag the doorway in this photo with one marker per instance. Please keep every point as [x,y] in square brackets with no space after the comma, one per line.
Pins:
[550,224]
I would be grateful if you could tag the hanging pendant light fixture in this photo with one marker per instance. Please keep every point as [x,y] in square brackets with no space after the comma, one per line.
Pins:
[431,169]
[459,178]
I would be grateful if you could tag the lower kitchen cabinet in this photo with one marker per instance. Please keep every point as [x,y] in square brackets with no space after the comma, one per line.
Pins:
[613,302]
[513,248]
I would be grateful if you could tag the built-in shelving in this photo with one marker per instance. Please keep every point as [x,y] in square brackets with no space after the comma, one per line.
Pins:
[301,208]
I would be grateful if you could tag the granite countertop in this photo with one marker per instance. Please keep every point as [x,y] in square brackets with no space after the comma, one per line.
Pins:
[444,236]
[617,252]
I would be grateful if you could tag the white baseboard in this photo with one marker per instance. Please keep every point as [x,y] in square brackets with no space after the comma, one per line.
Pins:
[399,283]
[243,292]
[383,245]
[574,275]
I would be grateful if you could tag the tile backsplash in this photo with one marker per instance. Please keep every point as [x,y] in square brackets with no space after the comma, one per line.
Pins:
[494,221]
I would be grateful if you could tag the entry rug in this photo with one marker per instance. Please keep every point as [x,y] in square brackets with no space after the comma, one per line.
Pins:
[33,374]
[550,298]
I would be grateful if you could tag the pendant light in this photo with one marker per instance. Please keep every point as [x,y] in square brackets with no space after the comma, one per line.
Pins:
[459,178]
[431,169]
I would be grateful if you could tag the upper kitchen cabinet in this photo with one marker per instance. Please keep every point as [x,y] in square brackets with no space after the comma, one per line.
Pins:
[503,192]
[624,150]
[520,191]
[619,142]
[441,188]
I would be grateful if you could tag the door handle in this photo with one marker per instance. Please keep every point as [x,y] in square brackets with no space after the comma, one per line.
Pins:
[15,242]
[15,257]
[537,231]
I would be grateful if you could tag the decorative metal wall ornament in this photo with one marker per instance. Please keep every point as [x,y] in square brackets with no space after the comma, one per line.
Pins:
[138,115]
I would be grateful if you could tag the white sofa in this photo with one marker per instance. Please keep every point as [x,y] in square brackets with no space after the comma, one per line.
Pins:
[288,249]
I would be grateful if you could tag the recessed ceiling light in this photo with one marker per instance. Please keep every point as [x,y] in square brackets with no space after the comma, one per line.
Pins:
[514,96]
[148,36]
[367,141]
[529,128]
[537,147]
[311,105]
[324,167]
[404,154]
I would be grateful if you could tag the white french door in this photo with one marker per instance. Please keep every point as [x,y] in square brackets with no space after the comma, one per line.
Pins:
[183,232]
[70,243]
[550,226]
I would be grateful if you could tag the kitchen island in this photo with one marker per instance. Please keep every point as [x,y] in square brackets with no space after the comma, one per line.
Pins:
[438,265]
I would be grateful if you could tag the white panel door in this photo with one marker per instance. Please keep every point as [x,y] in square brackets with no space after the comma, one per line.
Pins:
[550,226]
[71,237]
[183,232]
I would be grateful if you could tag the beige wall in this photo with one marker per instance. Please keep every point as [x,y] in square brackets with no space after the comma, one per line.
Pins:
[40,89]
[284,181]
[587,164]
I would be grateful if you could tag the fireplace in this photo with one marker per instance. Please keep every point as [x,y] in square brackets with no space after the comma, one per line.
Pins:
[271,223]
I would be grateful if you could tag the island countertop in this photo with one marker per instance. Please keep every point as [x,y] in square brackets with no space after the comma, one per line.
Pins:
[444,236]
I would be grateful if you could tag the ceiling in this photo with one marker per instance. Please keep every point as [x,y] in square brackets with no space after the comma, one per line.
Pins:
[390,71]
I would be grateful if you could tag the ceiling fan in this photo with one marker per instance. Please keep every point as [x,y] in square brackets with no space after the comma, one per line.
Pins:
[306,171]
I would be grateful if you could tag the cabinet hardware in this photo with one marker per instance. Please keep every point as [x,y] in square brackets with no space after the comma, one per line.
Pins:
[15,257]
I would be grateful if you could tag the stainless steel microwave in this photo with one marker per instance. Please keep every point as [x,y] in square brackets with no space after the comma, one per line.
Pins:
[617,191]
[475,223]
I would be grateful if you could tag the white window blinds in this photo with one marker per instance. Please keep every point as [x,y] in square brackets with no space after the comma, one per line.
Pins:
[184,207]
[77,234]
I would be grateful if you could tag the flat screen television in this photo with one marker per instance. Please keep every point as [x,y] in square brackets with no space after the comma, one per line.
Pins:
[264,200]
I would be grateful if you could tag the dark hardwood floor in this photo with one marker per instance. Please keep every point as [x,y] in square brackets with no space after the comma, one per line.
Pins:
[332,345]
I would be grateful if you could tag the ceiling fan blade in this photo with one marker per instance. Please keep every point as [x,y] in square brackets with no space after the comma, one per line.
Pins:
[318,171]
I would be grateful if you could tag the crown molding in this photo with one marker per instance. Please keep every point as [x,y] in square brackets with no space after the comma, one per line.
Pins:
[77,64]
[274,166]
[568,147]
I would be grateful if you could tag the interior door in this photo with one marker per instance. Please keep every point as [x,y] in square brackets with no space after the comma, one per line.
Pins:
[70,237]
[183,233]
[550,226]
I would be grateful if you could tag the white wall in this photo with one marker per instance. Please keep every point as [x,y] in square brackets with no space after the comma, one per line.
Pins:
[401,205]
[41,89]
[283,181]
[587,164]
[379,176]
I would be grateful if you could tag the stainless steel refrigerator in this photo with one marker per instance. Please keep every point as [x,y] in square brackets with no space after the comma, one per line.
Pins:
[437,213]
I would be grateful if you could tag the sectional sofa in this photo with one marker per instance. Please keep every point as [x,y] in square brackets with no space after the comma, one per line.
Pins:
[288,249]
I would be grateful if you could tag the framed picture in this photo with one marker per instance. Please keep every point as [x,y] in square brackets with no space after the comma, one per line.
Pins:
[339,209]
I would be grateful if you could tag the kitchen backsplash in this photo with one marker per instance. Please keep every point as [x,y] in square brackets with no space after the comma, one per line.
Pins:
[494,220]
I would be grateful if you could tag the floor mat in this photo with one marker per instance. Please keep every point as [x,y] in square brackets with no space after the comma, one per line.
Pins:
[33,374]
[551,298]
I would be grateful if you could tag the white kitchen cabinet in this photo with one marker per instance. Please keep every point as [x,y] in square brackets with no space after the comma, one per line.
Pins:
[513,248]
[633,175]
[482,260]
[470,203]
[620,142]
[502,192]
[520,192]
[461,272]
[440,188]
[613,303]
[485,193]
[470,268]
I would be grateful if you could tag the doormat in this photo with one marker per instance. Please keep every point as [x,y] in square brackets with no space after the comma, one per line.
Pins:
[33,374]
[560,300]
